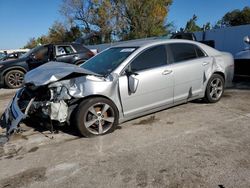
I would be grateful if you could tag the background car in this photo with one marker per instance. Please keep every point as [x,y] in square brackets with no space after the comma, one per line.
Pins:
[13,55]
[2,55]
[121,83]
[242,60]
[12,71]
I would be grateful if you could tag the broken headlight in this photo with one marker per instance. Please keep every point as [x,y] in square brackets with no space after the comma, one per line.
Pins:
[59,93]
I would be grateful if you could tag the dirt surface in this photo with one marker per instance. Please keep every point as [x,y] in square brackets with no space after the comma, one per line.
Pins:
[191,145]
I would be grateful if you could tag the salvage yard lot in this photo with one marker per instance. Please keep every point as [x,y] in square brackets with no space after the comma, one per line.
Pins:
[191,145]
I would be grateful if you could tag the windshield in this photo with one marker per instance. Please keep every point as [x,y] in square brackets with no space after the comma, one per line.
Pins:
[27,54]
[105,62]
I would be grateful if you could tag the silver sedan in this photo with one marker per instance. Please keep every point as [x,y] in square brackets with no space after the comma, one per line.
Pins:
[119,84]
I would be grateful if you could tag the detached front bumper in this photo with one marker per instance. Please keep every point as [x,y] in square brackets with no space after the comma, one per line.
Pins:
[23,106]
[13,115]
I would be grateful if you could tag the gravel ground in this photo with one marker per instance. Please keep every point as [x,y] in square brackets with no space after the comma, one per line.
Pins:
[191,145]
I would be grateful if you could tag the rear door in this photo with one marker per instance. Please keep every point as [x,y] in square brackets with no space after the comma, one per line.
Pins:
[188,70]
[155,86]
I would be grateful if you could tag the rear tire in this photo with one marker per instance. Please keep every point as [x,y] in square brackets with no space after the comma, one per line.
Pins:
[96,116]
[215,88]
[14,79]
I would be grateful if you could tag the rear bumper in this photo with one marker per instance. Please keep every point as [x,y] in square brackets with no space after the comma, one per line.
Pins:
[1,80]
[229,77]
[13,115]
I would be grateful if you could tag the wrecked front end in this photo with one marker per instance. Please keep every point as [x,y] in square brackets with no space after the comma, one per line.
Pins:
[51,93]
[37,103]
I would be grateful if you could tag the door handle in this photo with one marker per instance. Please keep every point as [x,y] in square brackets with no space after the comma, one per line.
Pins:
[205,63]
[166,72]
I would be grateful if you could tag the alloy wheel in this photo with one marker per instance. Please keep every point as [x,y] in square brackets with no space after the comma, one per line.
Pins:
[216,88]
[15,79]
[99,118]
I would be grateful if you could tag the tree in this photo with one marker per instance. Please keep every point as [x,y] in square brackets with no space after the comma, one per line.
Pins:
[91,15]
[207,26]
[191,25]
[57,33]
[31,43]
[143,18]
[118,19]
[237,17]
[77,11]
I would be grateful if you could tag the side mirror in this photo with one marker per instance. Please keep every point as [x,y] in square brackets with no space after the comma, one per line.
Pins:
[133,83]
[132,80]
[247,39]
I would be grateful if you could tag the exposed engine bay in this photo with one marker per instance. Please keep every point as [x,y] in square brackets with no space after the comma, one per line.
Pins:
[52,96]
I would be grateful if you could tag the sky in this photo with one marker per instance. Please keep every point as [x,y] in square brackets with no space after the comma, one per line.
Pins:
[24,19]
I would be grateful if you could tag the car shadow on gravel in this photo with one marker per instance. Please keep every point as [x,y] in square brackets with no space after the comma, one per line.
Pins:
[239,83]
[53,127]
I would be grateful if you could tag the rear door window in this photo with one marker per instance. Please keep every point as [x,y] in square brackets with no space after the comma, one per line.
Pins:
[199,52]
[64,50]
[183,52]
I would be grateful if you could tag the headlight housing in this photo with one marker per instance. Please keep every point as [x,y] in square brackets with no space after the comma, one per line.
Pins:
[59,93]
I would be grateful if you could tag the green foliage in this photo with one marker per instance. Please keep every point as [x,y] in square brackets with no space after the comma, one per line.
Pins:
[31,43]
[143,18]
[237,17]
[57,33]
[108,19]
[207,26]
[118,19]
[191,25]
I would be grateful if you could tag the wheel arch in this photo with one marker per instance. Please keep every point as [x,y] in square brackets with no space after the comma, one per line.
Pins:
[14,68]
[221,74]
[90,97]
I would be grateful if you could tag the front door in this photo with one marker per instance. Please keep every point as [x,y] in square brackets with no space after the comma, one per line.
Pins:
[155,82]
[39,57]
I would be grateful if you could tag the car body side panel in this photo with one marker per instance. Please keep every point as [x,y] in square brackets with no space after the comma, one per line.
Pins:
[188,77]
[154,89]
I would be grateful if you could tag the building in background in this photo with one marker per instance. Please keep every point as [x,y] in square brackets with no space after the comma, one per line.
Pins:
[13,50]
[228,39]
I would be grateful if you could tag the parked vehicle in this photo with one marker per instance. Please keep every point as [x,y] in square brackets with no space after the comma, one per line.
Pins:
[93,41]
[242,60]
[12,71]
[13,55]
[121,83]
[2,55]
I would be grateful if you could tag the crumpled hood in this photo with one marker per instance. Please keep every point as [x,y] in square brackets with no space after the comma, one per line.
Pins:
[52,72]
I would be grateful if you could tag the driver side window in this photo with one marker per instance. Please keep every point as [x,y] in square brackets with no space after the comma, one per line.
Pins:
[151,58]
[41,54]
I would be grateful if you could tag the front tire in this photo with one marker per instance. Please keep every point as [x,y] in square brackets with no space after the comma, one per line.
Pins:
[96,116]
[14,79]
[215,88]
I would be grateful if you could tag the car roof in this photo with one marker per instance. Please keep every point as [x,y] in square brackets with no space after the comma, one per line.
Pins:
[150,42]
